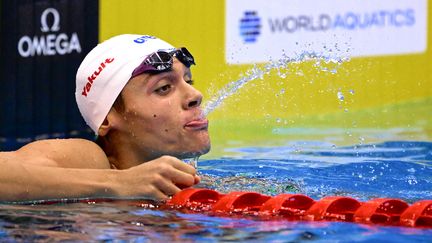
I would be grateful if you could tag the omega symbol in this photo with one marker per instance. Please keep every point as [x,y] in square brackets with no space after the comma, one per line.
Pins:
[56,24]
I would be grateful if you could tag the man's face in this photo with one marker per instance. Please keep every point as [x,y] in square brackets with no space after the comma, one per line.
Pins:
[162,115]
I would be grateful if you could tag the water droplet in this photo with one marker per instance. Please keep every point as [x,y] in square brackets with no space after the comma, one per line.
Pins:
[282,91]
[351,91]
[412,180]
[411,170]
[340,96]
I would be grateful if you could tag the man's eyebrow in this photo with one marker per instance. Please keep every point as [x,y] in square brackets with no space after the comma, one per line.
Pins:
[154,78]
[188,74]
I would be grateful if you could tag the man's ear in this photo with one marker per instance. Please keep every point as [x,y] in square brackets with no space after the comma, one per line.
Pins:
[104,128]
[107,124]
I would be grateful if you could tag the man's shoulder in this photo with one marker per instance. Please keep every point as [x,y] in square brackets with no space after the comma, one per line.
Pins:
[67,153]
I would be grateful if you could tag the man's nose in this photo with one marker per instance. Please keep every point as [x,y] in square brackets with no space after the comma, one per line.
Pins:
[193,97]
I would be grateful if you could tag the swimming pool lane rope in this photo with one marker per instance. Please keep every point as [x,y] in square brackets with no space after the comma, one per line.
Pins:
[298,207]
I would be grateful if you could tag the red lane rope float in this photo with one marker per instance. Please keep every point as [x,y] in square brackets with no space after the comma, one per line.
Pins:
[240,202]
[334,208]
[381,211]
[418,215]
[287,205]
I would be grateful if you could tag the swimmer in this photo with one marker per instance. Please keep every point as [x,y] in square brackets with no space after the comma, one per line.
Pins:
[136,93]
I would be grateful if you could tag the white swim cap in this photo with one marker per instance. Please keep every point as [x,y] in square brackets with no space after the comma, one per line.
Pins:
[105,71]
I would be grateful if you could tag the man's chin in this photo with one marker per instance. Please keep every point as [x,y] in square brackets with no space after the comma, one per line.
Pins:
[195,153]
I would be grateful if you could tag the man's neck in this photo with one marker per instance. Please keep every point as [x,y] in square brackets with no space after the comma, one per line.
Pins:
[123,155]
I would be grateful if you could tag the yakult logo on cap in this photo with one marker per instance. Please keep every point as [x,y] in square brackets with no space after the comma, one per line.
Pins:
[93,76]
[106,70]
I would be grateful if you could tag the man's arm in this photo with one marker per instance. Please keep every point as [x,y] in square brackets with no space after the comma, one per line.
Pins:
[20,181]
[35,173]
[64,153]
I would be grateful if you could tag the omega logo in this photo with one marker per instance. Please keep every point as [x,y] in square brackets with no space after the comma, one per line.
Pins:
[44,26]
[51,43]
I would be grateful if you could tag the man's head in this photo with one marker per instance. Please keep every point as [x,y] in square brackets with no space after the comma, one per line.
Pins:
[137,90]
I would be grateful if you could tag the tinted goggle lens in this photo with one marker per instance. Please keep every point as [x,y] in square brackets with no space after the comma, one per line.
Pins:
[161,61]
[185,57]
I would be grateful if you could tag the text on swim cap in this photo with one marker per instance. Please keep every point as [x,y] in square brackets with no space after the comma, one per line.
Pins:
[144,38]
[91,79]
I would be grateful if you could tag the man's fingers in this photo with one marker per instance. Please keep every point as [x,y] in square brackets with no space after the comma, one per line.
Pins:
[160,196]
[180,165]
[155,193]
[167,187]
[197,179]
[183,179]
[183,175]
[163,177]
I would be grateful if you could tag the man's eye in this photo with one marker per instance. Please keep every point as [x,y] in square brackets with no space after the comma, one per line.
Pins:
[164,89]
[191,82]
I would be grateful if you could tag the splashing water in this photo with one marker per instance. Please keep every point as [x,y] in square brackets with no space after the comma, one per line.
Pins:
[192,161]
[259,73]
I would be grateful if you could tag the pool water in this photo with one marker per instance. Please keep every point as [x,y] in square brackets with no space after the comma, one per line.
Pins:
[399,169]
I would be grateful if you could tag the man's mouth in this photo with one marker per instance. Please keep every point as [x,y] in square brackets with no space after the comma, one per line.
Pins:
[196,125]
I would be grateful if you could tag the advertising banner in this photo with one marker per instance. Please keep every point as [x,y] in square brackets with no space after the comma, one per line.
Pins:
[43,43]
[257,30]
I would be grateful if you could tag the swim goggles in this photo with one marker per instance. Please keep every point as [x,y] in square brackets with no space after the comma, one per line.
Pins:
[161,61]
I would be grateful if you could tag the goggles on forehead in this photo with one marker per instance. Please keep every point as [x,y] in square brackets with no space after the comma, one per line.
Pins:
[163,60]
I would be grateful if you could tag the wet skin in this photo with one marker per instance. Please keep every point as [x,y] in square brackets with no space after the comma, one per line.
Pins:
[161,116]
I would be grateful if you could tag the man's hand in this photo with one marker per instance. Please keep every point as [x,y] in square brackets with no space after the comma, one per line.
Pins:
[156,179]
[52,169]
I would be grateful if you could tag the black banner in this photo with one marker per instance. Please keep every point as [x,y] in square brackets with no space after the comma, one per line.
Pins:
[42,44]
